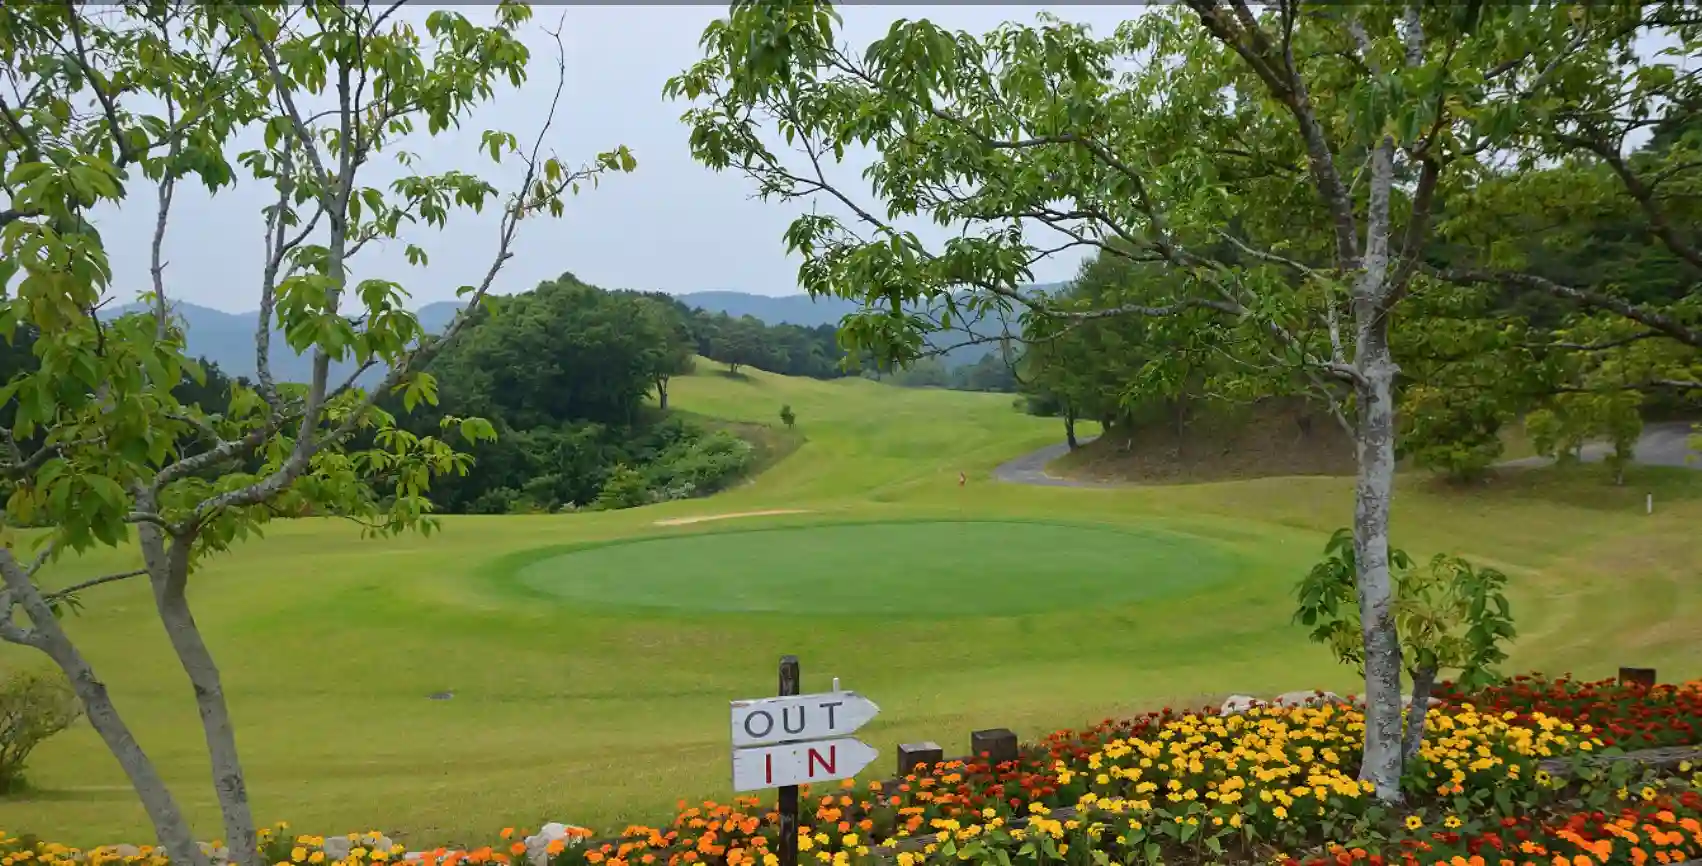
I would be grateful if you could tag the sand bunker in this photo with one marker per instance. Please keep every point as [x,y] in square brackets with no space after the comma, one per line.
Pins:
[681,521]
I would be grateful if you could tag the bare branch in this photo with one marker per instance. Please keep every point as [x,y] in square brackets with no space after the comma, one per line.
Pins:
[68,591]
[126,153]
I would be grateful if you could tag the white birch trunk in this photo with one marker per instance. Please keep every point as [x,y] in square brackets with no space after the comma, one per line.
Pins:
[171,829]
[168,572]
[1374,492]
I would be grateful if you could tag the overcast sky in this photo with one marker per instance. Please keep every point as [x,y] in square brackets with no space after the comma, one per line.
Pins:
[672,225]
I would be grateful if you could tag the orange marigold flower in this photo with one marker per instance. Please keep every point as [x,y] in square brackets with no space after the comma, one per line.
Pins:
[518,848]
[507,832]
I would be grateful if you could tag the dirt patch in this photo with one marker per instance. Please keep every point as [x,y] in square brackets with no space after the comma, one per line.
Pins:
[1274,439]
[682,521]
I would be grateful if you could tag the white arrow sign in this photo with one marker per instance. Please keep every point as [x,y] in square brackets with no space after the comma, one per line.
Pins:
[799,717]
[800,763]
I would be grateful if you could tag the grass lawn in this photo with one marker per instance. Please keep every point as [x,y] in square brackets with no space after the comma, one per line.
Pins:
[591,656]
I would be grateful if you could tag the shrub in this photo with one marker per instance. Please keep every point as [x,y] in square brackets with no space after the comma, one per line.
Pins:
[706,464]
[626,488]
[35,704]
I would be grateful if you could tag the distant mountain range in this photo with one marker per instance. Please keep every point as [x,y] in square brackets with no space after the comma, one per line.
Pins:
[228,338]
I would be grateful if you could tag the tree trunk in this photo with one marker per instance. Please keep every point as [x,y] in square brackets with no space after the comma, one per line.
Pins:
[1070,428]
[1372,496]
[171,829]
[662,393]
[168,571]
[1418,711]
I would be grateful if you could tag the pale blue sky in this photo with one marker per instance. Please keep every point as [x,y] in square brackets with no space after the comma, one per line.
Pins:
[672,225]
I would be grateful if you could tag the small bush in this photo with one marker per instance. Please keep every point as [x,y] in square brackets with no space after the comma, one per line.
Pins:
[626,488]
[34,705]
[703,465]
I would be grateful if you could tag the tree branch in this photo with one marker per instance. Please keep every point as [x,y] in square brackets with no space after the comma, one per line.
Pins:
[68,591]
[1661,322]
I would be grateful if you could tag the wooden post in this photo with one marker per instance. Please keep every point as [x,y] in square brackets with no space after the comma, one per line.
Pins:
[788,802]
[997,744]
[1644,677]
[913,755]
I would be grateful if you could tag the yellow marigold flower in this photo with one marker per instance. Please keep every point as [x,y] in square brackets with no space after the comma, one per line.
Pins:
[1280,812]
[298,854]
[316,857]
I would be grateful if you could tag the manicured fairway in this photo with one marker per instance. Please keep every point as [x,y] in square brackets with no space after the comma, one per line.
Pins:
[916,568]
[591,683]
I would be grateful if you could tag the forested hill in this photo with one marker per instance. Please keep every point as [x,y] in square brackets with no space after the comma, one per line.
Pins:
[227,339]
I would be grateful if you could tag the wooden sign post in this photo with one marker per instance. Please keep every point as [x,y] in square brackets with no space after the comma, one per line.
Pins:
[796,739]
[790,674]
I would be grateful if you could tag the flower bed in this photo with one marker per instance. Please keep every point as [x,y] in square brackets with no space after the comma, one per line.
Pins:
[1631,716]
[1270,785]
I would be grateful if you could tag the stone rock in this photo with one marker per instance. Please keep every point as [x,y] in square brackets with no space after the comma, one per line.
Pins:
[1312,698]
[414,856]
[1238,704]
[537,845]
[337,847]
[215,855]
[126,851]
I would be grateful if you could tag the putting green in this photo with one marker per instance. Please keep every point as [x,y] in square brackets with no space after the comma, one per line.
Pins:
[929,568]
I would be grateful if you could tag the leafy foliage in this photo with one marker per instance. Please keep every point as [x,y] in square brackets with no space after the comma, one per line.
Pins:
[1451,616]
[34,705]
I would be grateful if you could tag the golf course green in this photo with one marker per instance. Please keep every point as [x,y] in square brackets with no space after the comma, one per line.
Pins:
[590,656]
[916,568]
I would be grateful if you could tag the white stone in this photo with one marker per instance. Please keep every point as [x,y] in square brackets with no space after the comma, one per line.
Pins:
[537,845]
[337,847]
[1238,704]
[1312,698]
[414,856]
[126,851]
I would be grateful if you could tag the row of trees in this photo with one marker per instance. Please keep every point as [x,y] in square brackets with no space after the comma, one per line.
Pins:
[1308,192]
[817,353]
